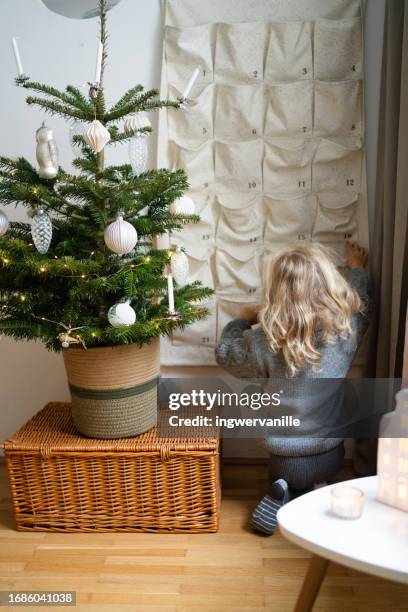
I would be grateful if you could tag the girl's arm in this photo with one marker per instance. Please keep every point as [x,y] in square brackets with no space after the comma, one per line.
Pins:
[233,352]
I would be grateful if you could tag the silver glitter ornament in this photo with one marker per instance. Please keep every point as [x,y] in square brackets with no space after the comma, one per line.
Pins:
[179,266]
[138,152]
[41,231]
[4,223]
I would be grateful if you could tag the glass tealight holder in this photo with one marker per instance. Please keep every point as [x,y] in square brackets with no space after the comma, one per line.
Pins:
[347,502]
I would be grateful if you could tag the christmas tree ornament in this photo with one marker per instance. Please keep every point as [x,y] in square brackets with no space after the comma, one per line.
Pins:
[182,206]
[77,129]
[41,231]
[138,149]
[4,223]
[137,122]
[97,136]
[120,236]
[121,314]
[47,153]
[179,266]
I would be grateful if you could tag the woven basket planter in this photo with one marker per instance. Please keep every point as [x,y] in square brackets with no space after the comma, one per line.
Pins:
[114,389]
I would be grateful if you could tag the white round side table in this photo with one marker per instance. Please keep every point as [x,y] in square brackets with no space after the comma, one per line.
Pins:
[376,543]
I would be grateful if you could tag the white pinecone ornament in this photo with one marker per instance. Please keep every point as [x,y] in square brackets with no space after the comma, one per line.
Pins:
[41,231]
[179,266]
[4,223]
[138,147]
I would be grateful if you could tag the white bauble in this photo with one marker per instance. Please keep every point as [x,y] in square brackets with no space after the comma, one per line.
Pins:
[137,122]
[97,136]
[121,314]
[120,236]
[4,223]
[179,267]
[182,206]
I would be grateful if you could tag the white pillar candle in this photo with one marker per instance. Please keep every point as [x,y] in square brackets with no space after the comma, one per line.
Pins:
[347,502]
[17,57]
[170,290]
[191,82]
[98,67]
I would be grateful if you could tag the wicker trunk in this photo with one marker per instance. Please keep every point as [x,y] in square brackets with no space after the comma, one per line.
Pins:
[62,481]
[114,389]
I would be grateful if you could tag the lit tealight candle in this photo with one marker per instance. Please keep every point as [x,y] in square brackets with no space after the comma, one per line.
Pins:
[347,502]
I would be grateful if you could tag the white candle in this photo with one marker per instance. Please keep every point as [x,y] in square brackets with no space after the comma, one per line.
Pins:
[98,68]
[191,82]
[171,293]
[347,502]
[17,57]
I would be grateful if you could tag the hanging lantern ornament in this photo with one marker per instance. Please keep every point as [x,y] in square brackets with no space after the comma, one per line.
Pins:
[121,314]
[41,231]
[4,223]
[138,149]
[97,136]
[47,153]
[182,206]
[179,266]
[120,236]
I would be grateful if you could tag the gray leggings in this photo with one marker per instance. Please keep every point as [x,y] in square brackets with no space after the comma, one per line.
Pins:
[305,471]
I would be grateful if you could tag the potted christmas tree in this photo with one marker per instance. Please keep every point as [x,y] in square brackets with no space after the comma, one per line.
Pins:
[84,276]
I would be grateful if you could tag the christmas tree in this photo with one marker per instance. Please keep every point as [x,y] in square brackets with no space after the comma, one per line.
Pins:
[61,291]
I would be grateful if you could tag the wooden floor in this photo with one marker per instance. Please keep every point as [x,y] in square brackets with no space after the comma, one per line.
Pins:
[233,570]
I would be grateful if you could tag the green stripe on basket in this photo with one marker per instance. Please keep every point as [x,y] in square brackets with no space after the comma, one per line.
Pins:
[113,393]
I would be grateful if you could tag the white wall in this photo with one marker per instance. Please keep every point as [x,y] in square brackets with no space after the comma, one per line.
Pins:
[59,51]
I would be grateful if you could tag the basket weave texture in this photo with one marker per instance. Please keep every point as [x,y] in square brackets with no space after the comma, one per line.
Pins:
[63,481]
[114,389]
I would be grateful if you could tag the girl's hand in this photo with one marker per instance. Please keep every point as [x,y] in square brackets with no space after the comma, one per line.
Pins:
[250,312]
[357,257]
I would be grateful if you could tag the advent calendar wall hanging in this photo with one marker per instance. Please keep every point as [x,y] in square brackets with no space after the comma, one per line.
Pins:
[271,138]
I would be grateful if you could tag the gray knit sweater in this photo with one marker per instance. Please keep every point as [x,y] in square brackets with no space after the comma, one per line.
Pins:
[244,351]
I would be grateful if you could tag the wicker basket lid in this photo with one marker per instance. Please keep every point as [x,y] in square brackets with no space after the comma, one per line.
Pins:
[52,431]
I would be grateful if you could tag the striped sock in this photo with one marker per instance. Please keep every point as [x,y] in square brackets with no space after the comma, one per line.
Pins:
[264,516]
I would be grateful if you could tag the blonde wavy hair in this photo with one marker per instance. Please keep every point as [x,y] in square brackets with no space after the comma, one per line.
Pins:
[306,304]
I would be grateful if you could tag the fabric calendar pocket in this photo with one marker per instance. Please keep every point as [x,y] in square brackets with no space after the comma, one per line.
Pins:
[239,112]
[289,54]
[186,49]
[338,108]
[193,123]
[201,333]
[338,50]
[289,220]
[239,53]
[239,230]
[198,237]
[287,169]
[336,218]
[238,278]
[289,109]
[238,168]
[337,168]
[198,163]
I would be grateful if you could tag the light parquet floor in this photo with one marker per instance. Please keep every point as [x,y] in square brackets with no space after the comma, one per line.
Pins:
[233,570]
